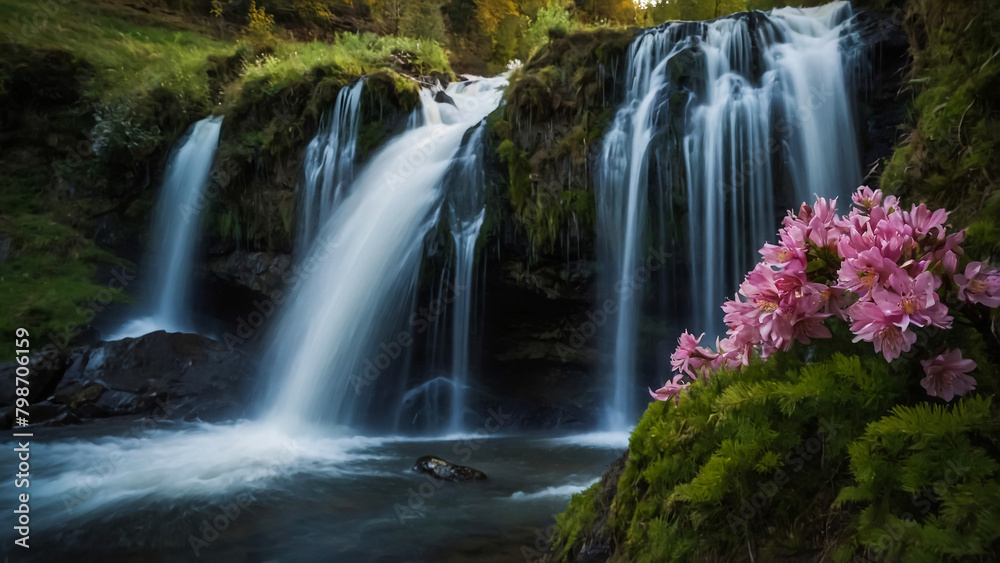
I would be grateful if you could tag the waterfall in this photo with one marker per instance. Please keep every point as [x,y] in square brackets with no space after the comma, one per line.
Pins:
[621,195]
[335,336]
[741,116]
[328,166]
[176,224]
[466,210]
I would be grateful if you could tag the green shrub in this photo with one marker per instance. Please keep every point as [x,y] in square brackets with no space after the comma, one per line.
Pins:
[927,484]
[553,19]
[804,455]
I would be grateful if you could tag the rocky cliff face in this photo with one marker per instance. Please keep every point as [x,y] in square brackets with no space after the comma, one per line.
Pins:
[546,137]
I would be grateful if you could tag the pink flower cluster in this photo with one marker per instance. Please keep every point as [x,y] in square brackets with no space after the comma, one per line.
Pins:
[879,268]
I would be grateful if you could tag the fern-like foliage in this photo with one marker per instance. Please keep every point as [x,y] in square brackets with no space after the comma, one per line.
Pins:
[926,479]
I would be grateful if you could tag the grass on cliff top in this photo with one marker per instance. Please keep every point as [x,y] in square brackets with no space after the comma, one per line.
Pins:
[353,54]
[129,57]
[135,52]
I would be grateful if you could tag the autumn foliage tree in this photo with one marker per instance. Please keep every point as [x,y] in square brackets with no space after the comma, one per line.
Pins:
[489,13]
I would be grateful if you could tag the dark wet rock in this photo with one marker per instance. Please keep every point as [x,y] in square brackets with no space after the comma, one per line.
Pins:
[46,367]
[64,419]
[119,402]
[447,471]
[263,272]
[540,345]
[883,108]
[442,98]
[176,376]
[44,411]
[78,393]
[441,79]
[40,413]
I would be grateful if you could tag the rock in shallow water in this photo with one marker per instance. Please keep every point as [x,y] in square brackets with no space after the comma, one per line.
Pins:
[442,98]
[447,471]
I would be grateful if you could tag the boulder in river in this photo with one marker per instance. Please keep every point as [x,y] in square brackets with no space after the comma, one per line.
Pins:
[165,375]
[442,98]
[447,471]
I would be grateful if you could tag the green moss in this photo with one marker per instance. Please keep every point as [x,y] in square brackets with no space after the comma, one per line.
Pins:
[557,106]
[389,89]
[578,518]
[266,126]
[951,156]
[49,284]
[927,483]
[518,171]
[582,206]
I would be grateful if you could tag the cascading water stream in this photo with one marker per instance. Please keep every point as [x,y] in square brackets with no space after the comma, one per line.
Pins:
[466,210]
[332,340]
[360,270]
[751,113]
[800,108]
[328,166]
[621,212]
[176,225]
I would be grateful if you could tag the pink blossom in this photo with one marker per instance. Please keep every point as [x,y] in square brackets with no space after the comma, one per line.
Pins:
[730,355]
[689,357]
[888,285]
[805,212]
[890,204]
[948,245]
[837,302]
[866,197]
[784,256]
[950,262]
[671,389]
[947,375]
[793,233]
[872,324]
[809,328]
[765,289]
[980,284]
[924,220]
[856,239]
[913,300]
[808,304]
[864,272]
[819,226]
[826,210]
[743,333]
[892,233]
[823,231]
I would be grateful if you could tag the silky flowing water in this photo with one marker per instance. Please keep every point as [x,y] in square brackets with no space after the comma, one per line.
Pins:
[175,234]
[127,491]
[362,268]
